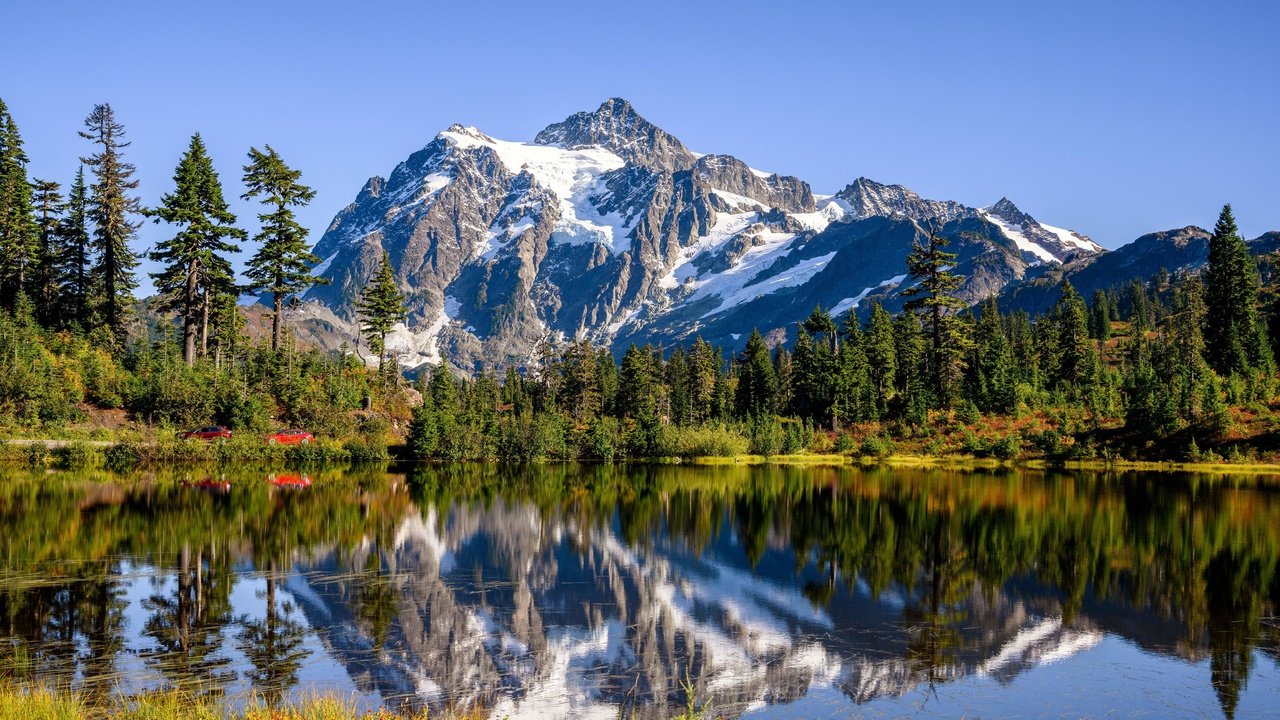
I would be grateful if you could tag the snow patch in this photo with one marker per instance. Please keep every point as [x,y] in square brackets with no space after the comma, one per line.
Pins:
[1014,233]
[573,175]
[849,303]
[1071,239]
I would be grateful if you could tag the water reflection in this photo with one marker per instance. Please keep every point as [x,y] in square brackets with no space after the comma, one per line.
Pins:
[578,591]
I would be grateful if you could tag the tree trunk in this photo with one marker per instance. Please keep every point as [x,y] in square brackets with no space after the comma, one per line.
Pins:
[189,320]
[278,302]
[204,324]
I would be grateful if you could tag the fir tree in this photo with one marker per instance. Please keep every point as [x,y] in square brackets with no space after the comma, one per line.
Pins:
[992,384]
[637,386]
[282,265]
[932,297]
[45,285]
[110,208]
[1075,364]
[196,271]
[75,261]
[1231,297]
[381,306]
[882,358]
[19,232]
[757,381]
[1100,317]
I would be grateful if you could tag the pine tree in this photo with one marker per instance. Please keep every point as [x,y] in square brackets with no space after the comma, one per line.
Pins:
[1187,368]
[282,265]
[932,297]
[381,306]
[195,267]
[45,285]
[1076,361]
[882,358]
[75,262]
[992,385]
[19,232]
[1100,317]
[1231,297]
[110,208]
[911,354]
[637,386]
[704,372]
[757,381]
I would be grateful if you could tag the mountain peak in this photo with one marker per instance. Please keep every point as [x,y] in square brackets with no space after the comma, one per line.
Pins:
[1004,206]
[868,198]
[617,127]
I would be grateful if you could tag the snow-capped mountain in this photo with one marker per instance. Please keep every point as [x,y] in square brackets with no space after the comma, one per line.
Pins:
[608,228]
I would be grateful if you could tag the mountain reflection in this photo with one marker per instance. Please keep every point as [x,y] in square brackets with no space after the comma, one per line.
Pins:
[580,591]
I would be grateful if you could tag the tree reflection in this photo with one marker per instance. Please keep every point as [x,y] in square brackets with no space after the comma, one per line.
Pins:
[273,645]
[187,625]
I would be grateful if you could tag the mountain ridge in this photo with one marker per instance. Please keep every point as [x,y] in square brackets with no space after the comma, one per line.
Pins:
[609,229]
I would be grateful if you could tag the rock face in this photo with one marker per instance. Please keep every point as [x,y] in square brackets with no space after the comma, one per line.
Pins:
[608,228]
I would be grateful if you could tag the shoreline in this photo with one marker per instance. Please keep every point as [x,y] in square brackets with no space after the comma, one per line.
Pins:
[205,453]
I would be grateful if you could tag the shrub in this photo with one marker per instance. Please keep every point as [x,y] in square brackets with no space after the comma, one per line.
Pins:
[1007,447]
[121,456]
[711,441]
[36,455]
[73,455]
[877,447]
[845,444]
[766,435]
[366,450]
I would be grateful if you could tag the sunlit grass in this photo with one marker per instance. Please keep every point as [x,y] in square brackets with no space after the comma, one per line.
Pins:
[38,703]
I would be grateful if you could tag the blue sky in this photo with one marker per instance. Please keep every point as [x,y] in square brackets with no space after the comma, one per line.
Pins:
[1111,118]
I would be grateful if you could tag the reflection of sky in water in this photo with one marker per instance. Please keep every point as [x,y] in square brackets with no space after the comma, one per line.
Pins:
[1112,679]
[542,613]
[248,601]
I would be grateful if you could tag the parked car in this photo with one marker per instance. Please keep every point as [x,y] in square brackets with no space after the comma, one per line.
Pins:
[290,437]
[213,432]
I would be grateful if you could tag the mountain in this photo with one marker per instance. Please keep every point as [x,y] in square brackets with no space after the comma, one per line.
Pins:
[607,228]
[1182,249]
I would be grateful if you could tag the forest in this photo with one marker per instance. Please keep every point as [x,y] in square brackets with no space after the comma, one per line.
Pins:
[1179,366]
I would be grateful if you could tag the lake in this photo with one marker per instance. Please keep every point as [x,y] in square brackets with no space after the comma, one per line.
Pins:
[582,591]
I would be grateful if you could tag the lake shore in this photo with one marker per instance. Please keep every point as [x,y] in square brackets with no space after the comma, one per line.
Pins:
[125,454]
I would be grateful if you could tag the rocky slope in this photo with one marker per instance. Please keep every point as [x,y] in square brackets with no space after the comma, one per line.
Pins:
[608,228]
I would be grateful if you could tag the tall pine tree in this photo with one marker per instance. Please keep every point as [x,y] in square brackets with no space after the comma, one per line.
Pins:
[19,233]
[74,255]
[757,380]
[195,269]
[381,306]
[1231,295]
[45,285]
[111,206]
[282,265]
[932,298]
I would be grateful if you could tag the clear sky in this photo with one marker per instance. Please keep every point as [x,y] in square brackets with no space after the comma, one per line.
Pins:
[1111,118]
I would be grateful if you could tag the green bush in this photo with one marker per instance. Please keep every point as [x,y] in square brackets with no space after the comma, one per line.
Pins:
[1007,447]
[711,441]
[366,450]
[845,444]
[876,447]
[36,455]
[73,456]
[121,456]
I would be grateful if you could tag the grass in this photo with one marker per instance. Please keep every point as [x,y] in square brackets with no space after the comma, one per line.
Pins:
[17,703]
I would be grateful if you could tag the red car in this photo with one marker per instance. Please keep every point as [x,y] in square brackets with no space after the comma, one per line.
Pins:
[290,437]
[213,432]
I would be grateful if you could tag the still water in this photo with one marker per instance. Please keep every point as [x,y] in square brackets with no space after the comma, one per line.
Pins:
[587,591]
